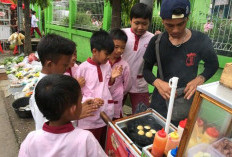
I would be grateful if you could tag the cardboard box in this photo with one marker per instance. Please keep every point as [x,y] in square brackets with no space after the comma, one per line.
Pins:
[226,77]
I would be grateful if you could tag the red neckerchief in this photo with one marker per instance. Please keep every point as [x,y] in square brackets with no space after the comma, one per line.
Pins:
[136,44]
[69,70]
[117,60]
[58,129]
[99,72]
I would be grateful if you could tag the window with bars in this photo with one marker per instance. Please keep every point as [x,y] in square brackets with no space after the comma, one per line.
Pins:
[89,14]
[213,17]
[4,14]
[60,9]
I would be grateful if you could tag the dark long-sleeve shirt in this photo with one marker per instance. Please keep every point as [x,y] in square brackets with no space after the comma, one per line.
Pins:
[181,61]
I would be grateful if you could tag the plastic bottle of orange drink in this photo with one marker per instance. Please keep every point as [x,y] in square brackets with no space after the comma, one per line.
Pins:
[159,143]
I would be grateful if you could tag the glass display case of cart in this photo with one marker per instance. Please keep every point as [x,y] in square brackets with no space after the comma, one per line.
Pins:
[60,10]
[209,128]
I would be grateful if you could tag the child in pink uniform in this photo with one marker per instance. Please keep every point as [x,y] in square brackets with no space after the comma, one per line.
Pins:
[55,53]
[122,83]
[72,70]
[98,77]
[59,99]
[138,39]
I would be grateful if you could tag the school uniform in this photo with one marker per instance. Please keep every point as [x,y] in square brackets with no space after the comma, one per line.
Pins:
[120,87]
[72,71]
[37,115]
[34,25]
[97,79]
[133,55]
[60,141]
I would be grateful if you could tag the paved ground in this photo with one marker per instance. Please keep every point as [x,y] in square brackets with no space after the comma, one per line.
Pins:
[13,129]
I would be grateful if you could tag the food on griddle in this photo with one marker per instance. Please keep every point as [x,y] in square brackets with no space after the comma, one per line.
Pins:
[141,132]
[152,131]
[140,127]
[138,124]
[147,127]
[149,134]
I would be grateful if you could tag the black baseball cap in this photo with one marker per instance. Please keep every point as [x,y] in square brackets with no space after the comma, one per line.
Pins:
[167,7]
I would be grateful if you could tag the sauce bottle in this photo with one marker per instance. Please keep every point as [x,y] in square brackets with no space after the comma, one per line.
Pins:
[173,141]
[181,127]
[211,134]
[159,143]
[172,153]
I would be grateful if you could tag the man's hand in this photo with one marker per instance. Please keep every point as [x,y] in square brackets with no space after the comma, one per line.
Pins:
[88,107]
[163,88]
[192,86]
[81,81]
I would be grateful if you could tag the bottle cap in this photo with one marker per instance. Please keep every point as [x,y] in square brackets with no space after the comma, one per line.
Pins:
[182,123]
[162,133]
[174,151]
[200,122]
[212,131]
[174,135]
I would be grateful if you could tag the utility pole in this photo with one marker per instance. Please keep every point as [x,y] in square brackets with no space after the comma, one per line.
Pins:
[20,19]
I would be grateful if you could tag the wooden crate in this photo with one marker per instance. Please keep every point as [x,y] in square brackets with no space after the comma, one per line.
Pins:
[226,77]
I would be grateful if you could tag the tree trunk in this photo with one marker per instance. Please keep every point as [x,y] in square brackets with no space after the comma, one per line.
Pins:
[116,14]
[27,44]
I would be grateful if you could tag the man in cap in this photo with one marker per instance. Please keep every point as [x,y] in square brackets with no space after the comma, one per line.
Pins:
[181,51]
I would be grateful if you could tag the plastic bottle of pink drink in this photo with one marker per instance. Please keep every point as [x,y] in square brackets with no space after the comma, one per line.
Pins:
[159,143]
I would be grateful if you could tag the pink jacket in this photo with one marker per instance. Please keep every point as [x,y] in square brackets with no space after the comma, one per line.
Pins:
[121,86]
[60,141]
[133,55]
[96,86]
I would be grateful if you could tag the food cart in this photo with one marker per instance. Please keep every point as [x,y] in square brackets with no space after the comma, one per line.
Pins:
[209,128]
[122,135]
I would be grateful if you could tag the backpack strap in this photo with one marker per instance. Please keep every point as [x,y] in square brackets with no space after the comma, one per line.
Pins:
[157,52]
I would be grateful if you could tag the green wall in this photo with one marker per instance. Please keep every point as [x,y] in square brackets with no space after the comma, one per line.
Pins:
[81,38]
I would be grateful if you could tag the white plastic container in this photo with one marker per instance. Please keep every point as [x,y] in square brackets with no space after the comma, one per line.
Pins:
[198,148]
[214,152]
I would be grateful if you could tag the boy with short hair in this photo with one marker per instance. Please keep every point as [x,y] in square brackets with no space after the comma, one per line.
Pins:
[55,53]
[59,99]
[98,77]
[138,39]
[122,83]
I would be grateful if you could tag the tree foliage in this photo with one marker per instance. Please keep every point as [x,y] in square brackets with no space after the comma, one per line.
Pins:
[41,3]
